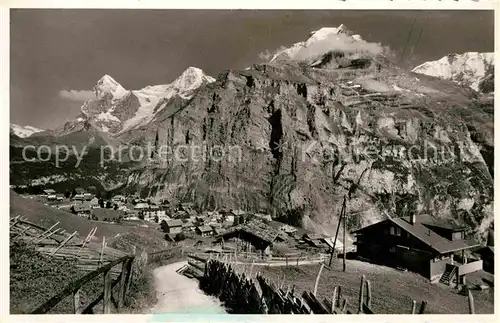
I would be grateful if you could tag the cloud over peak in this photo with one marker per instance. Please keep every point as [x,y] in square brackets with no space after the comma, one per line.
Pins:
[76,95]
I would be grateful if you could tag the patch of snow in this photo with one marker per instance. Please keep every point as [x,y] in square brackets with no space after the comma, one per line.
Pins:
[316,37]
[23,131]
[107,116]
[467,68]
[108,85]
[397,88]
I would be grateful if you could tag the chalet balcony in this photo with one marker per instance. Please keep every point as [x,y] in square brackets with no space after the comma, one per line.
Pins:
[467,268]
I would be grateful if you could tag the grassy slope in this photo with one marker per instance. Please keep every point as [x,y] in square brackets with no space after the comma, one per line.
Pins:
[35,278]
[46,216]
[392,290]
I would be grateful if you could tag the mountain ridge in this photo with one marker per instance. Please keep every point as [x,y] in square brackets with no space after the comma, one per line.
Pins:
[471,69]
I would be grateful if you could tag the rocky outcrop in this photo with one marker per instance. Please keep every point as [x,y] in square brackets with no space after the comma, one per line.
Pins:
[296,139]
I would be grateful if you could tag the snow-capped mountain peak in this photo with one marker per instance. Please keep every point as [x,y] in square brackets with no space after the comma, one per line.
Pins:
[23,131]
[315,38]
[470,68]
[191,79]
[325,32]
[108,86]
[115,109]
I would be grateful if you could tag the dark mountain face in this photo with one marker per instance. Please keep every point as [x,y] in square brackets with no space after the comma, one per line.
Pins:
[295,139]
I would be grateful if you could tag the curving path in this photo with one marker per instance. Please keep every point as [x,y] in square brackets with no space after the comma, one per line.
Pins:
[178,294]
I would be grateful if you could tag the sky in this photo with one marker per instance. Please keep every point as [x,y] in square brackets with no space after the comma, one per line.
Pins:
[58,55]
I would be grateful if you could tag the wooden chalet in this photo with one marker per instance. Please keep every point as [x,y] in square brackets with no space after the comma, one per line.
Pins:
[254,234]
[204,231]
[421,244]
[173,226]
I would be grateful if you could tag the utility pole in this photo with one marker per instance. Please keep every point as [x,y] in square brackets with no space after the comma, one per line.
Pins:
[337,233]
[345,232]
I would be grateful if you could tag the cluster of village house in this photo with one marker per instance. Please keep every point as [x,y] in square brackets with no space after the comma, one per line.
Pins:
[437,249]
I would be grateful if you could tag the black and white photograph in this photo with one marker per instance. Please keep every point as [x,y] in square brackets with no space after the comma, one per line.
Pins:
[214,162]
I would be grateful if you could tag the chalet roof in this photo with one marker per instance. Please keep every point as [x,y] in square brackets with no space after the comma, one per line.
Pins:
[81,207]
[313,236]
[288,228]
[205,228]
[140,206]
[448,224]
[429,237]
[256,228]
[174,223]
[49,191]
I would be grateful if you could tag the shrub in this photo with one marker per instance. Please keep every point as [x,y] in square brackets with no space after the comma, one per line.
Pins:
[180,236]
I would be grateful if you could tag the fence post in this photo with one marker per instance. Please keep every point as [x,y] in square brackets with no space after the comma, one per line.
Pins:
[76,302]
[361,294]
[317,279]
[368,294]
[422,307]
[106,301]
[124,276]
[334,298]
[471,303]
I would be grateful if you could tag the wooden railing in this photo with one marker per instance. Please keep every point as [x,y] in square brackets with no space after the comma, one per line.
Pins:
[470,267]
[75,287]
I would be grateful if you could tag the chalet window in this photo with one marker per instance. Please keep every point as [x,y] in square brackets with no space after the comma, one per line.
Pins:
[395,231]
[457,235]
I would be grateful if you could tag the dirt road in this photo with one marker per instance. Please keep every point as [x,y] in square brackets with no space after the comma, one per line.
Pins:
[179,294]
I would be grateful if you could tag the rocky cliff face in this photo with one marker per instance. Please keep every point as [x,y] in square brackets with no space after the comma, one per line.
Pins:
[296,139]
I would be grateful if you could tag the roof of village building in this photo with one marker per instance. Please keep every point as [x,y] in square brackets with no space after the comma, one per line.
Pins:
[256,228]
[174,223]
[448,224]
[288,228]
[81,208]
[139,206]
[423,233]
[49,191]
[204,229]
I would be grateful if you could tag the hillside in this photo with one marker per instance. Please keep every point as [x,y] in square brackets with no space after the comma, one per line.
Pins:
[117,235]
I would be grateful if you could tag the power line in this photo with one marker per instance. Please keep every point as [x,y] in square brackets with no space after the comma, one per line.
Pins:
[408,38]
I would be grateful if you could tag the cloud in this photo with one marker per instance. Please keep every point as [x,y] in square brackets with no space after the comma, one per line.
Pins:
[337,42]
[268,55]
[333,42]
[76,95]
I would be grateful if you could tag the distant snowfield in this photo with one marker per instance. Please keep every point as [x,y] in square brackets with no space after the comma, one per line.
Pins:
[23,131]
[469,68]
[181,295]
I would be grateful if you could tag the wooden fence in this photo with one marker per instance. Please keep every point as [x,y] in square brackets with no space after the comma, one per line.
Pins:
[106,296]
[254,259]
[242,294]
